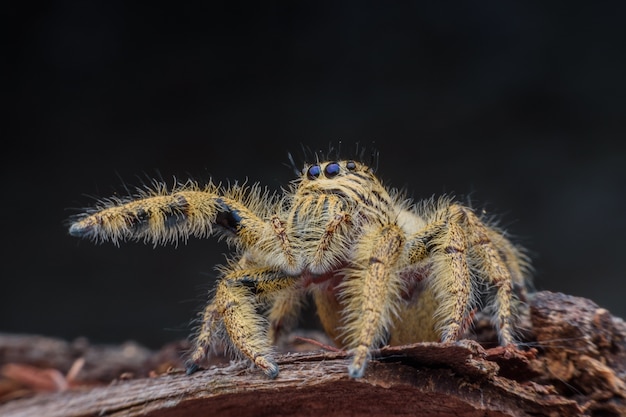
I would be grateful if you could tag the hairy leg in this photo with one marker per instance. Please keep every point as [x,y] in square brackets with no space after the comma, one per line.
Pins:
[450,281]
[160,216]
[237,299]
[496,272]
[285,309]
[373,294]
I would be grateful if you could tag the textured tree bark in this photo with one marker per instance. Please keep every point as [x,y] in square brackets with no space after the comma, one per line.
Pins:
[574,364]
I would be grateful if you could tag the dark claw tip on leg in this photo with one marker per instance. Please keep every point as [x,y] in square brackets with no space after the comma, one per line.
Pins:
[77,230]
[193,368]
[272,373]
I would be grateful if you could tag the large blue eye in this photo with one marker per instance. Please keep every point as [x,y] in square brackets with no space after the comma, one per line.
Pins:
[313,172]
[332,169]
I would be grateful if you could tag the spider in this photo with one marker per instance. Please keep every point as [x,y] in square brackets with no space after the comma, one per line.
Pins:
[380,268]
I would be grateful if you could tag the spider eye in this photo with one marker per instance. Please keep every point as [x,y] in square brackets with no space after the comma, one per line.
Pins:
[313,172]
[351,165]
[332,169]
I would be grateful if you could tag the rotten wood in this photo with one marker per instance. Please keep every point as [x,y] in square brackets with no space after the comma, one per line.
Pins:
[572,363]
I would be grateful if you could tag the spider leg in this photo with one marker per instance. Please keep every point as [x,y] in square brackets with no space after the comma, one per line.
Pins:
[373,294]
[458,244]
[284,312]
[496,271]
[415,322]
[517,262]
[450,283]
[209,333]
[238,295]
[161,217]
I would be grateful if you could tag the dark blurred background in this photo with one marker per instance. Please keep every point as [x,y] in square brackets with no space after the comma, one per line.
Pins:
[519,106]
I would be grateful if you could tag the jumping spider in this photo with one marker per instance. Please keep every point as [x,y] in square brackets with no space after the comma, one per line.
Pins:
[380,268]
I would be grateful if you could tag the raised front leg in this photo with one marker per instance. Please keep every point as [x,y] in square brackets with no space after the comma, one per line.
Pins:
[159,216]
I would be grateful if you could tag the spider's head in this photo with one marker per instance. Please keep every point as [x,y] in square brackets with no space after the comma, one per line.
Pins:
[327,188]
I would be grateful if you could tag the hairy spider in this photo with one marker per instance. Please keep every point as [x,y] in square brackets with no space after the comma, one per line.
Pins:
[380,268]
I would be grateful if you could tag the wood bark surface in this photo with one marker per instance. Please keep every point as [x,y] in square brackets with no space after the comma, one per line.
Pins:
[572,363]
